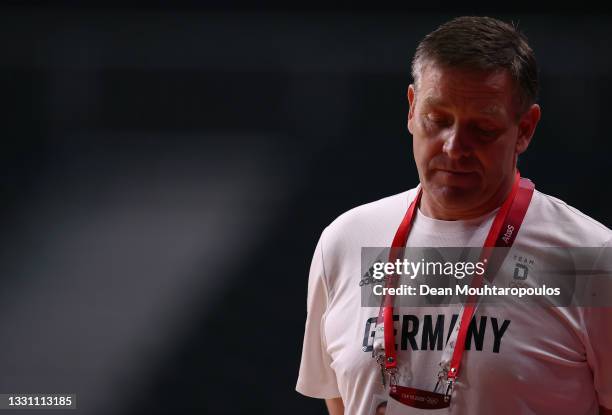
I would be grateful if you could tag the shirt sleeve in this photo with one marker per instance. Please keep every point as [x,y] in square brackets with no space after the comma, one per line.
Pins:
[316,377]
[598,321]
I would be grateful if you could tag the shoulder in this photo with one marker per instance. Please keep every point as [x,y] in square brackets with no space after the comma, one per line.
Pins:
[369,222]
[369,225]
[564,225]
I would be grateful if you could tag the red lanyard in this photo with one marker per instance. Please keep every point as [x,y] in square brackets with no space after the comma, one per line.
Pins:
[503,231]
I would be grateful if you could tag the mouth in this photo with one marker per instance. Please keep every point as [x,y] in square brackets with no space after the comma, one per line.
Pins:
[456,178]
[457,172]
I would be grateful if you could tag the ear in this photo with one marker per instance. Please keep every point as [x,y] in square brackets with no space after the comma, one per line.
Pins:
[411,103]
[527,125]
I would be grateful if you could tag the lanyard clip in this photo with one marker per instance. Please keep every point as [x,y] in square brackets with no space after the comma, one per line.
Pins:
[449,390]
[384,371]
[443,377]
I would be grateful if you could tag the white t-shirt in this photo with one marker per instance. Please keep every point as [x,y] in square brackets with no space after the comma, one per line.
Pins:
[519,360]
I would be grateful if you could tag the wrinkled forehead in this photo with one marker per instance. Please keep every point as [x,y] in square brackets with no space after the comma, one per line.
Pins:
[489,107]
[489,93]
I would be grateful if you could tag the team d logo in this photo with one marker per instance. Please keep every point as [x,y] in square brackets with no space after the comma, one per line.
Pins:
[520,271]
[521,267]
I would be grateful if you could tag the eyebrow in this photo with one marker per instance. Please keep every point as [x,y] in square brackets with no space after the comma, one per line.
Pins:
[434,102]
[437,102]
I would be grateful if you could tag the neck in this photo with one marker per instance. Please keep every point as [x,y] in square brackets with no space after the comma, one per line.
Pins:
[434,209]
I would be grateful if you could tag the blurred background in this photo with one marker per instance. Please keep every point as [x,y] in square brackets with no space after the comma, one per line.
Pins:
[166,170]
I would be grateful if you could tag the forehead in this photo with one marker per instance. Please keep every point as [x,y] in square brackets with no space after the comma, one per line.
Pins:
[488,93]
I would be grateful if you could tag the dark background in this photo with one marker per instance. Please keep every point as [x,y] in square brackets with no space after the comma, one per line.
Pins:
[167,169]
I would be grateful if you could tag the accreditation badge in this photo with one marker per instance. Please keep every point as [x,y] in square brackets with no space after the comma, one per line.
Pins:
[408,401]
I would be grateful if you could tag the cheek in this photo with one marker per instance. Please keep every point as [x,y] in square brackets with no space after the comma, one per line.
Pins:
[424,150]
[498,158]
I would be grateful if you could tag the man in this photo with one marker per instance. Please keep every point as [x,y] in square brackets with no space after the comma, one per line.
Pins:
[472,112]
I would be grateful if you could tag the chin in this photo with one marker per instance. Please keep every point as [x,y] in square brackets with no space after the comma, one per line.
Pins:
[454,197]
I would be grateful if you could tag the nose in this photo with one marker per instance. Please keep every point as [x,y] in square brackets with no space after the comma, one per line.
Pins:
[457,143]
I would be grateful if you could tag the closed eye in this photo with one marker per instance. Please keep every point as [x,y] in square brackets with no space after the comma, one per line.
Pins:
[487,133]
[439,121]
